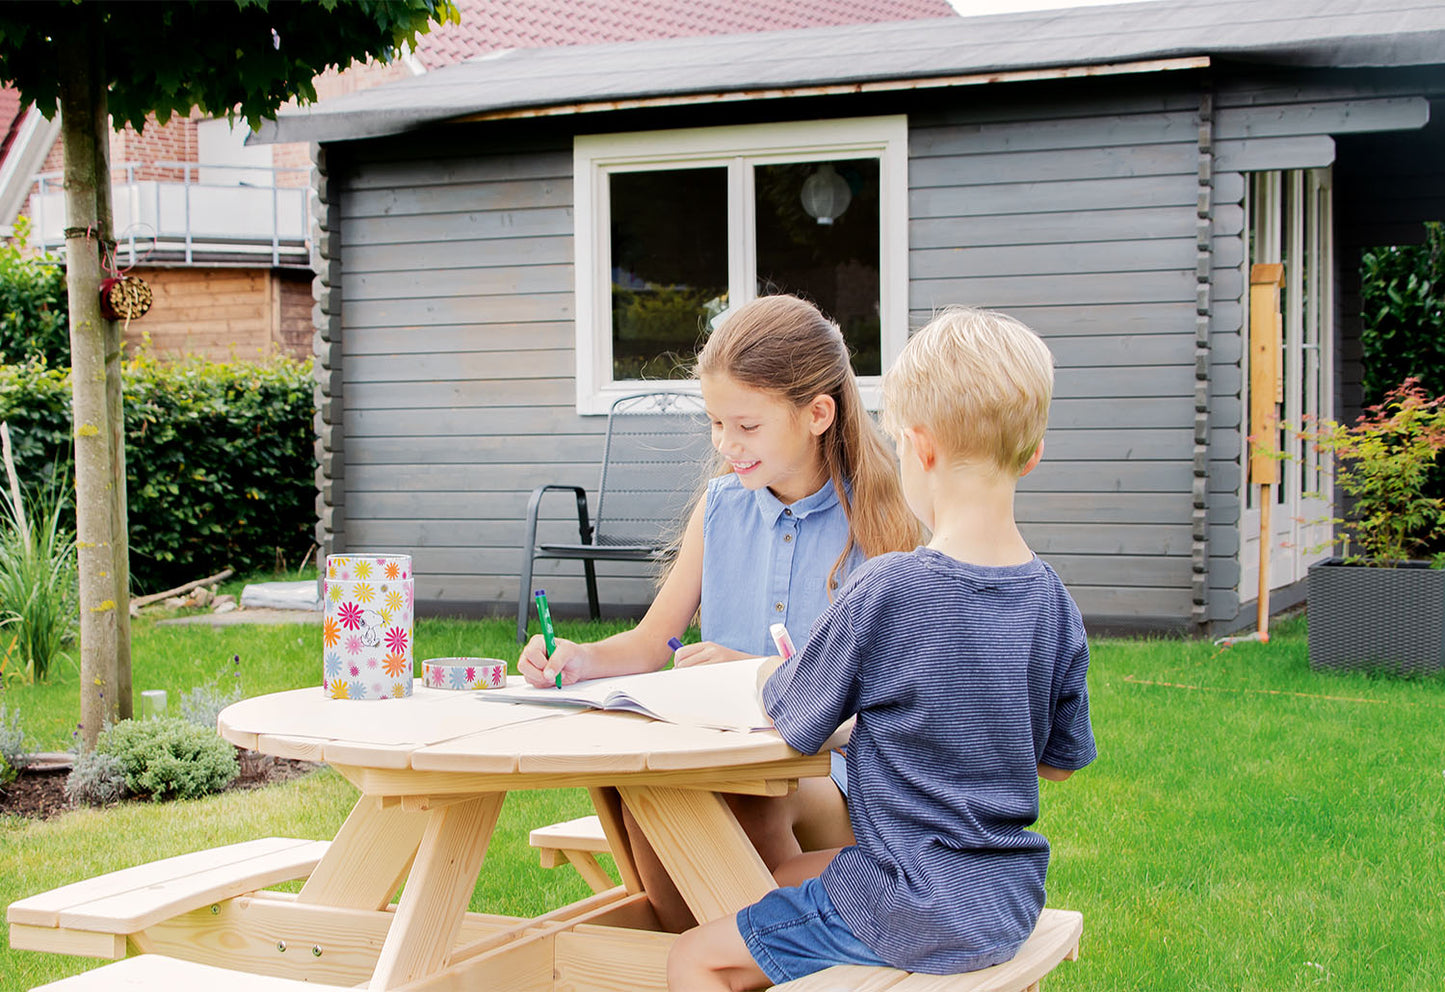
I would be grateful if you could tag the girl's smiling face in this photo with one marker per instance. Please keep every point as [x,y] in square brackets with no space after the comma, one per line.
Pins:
[766,440]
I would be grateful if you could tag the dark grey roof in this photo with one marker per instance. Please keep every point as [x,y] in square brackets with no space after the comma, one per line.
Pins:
[1341,33]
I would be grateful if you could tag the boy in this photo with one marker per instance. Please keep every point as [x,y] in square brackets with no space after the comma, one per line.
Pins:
[964,662]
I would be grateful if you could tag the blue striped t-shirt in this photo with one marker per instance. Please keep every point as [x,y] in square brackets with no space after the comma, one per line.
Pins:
[964,679]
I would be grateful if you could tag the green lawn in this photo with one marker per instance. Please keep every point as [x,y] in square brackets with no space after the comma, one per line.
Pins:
[1249,824]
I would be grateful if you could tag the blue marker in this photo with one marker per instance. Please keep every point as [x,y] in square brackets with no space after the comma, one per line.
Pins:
[549,634]
[674,643]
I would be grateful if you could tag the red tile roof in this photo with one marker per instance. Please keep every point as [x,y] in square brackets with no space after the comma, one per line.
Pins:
[10,118]
[493,25]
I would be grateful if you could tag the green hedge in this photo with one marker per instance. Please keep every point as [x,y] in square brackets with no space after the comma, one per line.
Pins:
[1403,302]
[34,311]
[219,460]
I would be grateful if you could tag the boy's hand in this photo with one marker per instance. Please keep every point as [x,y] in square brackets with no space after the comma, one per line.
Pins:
[705,653]
[569,660]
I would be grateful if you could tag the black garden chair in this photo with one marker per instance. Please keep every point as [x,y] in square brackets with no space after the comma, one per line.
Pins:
[651,466]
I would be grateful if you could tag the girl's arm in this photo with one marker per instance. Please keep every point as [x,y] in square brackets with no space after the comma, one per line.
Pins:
[644,647]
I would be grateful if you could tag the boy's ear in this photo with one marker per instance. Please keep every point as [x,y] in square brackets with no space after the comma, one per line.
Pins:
[924,449]
[1034,460]
[821,414]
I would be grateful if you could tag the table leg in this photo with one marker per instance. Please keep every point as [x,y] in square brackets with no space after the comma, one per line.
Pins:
[437,890]
[694,833]
[384,840]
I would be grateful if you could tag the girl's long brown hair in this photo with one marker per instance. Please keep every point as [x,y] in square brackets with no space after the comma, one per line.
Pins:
[784,345]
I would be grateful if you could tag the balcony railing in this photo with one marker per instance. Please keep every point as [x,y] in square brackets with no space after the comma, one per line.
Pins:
[208,214]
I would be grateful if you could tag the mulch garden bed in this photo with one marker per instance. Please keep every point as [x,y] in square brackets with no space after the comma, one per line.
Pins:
[39,793]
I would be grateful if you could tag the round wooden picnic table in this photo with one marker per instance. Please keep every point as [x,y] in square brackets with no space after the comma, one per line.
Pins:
[433,769]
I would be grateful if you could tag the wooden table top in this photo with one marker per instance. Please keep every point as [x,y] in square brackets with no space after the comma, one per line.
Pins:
[448,731]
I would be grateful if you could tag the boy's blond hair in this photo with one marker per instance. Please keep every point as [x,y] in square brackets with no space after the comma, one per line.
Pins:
[979,380]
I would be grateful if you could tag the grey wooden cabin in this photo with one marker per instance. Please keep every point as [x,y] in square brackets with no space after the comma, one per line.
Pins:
[1107,174]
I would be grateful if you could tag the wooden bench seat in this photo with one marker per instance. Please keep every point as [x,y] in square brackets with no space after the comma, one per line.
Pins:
[158,973]
[93,917]
[1055,939]
[577,842]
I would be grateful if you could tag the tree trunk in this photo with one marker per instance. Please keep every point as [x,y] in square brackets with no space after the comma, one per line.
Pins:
[114,402]
[82,106]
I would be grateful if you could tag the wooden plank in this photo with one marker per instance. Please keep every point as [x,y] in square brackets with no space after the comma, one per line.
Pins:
[414,201]
[1065,226]
[1055,939]
[1019,110]
[1316,117]
[474,422]
[446,168]
[1133,603]
[274,936]
[494,280]
[1141,444]
[384,840]
[1092,382]
[1263,154]
[1101,129]
[1119,508]
[1006,292]
[1120,539]
[688,828]
[453,255]
[1166,412]
[1033,198]
[82,943]
[454,367]
[149,972]
[1061,475]
[609,815]
[596,742]
[399,233]
[1060,321]
[413,396]
[1084,163]
[46,909]
[581,834]
[1123,571]
[853,977]
[429,916]
[503,308]
[1066,258]
[546,335]
[605,959]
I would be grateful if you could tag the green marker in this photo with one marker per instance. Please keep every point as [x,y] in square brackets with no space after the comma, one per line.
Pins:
[549,634]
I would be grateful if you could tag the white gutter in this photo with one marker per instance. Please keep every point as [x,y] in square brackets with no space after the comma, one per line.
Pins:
[32,144]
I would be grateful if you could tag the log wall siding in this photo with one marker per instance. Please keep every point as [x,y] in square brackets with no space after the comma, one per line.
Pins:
[1081,217]
[459,349]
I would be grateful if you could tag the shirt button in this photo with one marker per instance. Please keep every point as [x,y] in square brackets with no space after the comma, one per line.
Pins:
[788,511]
[787,538]
[778,607]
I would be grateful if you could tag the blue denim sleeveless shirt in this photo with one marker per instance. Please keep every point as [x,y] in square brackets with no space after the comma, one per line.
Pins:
[764,561]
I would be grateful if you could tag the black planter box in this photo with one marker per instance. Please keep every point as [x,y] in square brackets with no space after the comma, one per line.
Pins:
[1387,619]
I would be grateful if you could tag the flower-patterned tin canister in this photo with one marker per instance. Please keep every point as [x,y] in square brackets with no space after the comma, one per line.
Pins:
[367,629]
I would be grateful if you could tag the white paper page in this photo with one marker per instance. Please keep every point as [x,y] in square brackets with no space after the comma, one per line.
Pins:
[721,696]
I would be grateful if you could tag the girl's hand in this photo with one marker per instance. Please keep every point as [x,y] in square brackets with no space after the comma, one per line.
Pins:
[569,660]
[706,653]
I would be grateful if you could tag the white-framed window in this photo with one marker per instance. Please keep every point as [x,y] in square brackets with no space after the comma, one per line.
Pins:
[673,228]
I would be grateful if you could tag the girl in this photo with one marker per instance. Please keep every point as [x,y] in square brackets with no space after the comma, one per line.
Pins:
[806,491]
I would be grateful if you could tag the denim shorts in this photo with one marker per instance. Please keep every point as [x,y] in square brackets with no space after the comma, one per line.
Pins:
[795,931]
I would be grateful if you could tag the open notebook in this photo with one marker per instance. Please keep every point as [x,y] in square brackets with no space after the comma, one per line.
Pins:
[720,697]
